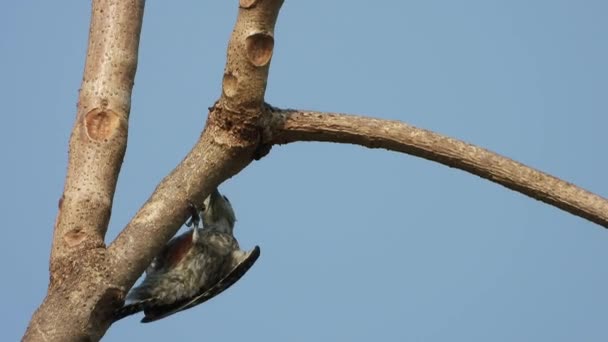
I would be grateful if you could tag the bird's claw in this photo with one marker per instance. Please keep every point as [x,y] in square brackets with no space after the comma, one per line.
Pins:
[195,217]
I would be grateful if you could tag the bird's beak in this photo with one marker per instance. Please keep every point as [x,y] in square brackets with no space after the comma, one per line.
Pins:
[214,197]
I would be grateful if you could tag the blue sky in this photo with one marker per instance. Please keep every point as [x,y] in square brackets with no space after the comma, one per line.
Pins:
[357,244]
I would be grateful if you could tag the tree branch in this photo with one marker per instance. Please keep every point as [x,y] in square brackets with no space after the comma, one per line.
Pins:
[227,145]
[216,157]
[78,271]
[293,125]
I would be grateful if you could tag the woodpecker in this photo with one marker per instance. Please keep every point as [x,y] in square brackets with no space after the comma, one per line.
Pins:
[193,267]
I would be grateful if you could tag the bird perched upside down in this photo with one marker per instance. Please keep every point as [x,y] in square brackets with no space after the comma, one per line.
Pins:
[193,267]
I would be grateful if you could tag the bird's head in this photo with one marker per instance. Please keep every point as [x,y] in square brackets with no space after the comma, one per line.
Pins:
[218,213]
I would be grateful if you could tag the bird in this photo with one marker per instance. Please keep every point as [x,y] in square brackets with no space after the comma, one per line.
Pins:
[194,266]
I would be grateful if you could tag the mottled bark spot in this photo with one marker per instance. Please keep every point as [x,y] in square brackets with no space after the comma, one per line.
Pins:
[101,124]
[247,3]
[74,237]
[229,84]
[259,48]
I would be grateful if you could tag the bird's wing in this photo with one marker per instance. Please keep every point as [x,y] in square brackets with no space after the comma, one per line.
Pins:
[156,312]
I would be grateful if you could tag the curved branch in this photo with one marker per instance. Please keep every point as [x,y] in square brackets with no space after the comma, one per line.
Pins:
[291,126]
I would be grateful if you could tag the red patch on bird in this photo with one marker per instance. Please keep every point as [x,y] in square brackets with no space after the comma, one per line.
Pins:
[178,248]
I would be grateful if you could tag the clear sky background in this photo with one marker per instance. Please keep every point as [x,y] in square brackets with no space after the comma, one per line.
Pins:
[357,244]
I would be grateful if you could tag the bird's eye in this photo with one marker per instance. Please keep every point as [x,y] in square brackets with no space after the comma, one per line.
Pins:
[226,198]
[191,207]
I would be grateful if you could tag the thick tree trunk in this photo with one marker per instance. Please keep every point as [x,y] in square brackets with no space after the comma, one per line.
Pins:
[75,307]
